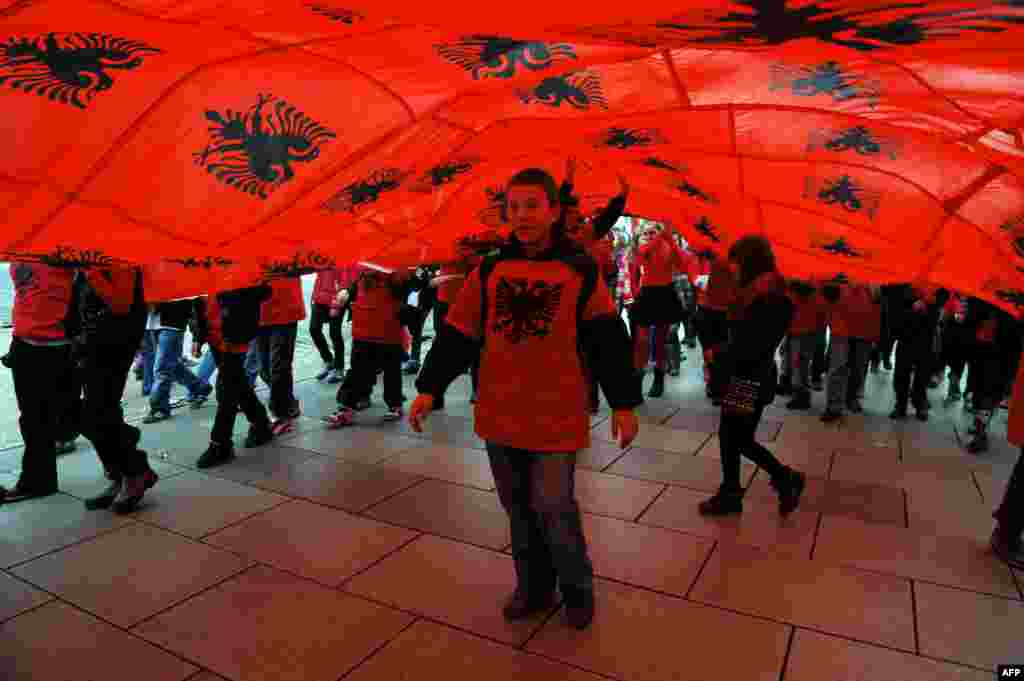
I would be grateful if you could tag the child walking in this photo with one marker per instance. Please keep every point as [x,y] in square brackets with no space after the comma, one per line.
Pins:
[534,308]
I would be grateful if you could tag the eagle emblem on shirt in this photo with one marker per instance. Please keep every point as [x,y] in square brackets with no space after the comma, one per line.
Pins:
[524,308]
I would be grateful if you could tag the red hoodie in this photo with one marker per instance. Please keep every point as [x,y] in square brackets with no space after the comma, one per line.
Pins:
[41,301]
[376,310]
[659,259]
[285,304]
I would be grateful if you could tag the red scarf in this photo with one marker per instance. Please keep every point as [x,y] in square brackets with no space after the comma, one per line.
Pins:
[766,283]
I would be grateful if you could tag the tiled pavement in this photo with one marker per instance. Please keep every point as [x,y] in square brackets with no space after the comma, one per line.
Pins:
[379,554]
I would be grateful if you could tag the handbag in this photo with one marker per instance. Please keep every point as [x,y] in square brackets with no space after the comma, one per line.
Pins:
[742,396]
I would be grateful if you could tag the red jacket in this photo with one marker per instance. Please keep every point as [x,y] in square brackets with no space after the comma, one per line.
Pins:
[448,291]
[41,301]
[285,304]
[115,286]
[659,259]
[376,310]
[215,328]
[328,283]
[808,314]
[856,314]
[721,290]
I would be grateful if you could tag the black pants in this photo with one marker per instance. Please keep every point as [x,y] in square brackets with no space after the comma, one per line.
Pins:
[819,364]
[367,360]
[426,303]
[37,372]
[883,349]
[320,315]
[956,349]
[74,402]
[276,345]
[736,438]
[989,375]
[913,360]
[537,491]
[233,393]
[108,360]
[1010,513]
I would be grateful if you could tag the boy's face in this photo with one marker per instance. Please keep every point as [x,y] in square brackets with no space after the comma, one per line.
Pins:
[530,214]
[647,234]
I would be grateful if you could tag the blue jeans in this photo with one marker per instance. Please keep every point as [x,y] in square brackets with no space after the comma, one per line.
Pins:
[537,490]
[271,355]
[170,369]
[206,368]
[148,353]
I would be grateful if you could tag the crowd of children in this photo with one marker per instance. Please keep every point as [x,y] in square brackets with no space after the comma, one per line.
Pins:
[538,324]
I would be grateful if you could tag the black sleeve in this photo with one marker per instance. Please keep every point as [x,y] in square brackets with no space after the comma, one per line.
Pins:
[198,322]
[448,358]
[565,196]
[607,218]
[609,353]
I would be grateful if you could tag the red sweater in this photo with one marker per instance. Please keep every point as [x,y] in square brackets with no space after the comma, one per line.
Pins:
[808,314]
[328,283]
[855,314]
[659,259]
[285,304]
[533,393]
[42,297]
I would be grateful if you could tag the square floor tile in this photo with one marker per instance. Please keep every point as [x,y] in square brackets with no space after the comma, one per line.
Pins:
[456,583]
[57,641]
[461,465]
[969,628]
[660,437]
[31,528]
[838,600]
[695,421]
[950,507]
[454,511]
[362,445]
[157,568]
[348,486]
[650,637]
[759,525]
[870,503]
[599,455]
[815,657]
[195,505]
[677,469]
[16,596]
[427,651]
[264,624]
[645,556]
[948,560]
[614,495]
[322,544]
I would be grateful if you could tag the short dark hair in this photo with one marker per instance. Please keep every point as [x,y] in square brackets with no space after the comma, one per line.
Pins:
[537,177]
[754,256]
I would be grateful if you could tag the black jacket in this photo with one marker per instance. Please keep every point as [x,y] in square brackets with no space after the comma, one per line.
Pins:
[176,313]
[753,342]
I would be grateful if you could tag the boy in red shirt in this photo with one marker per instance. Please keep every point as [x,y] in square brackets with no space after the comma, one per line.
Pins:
[273,349]
[854,316]
[325,290]
[808,318]
[533,315]
[376,299]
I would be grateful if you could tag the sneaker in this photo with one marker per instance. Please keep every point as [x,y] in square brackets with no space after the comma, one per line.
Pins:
[340,419]
[282,426]
[519,605]
[215,455]
[323,372]
[579,606]
[259,435]
[394,414]
[333,376]
[1008,549]
[133,488]
[411,367]
[156,415]
[200,398]
[24,492]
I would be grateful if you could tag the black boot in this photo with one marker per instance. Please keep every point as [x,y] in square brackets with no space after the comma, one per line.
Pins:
[658,386]
[579,606]
[790,488]
[725,502]
[535,591]
[216,454]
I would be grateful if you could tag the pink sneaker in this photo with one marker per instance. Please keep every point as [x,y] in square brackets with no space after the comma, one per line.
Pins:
[341,418]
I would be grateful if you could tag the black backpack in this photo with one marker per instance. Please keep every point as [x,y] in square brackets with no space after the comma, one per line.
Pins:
[579,262]
[240,312]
